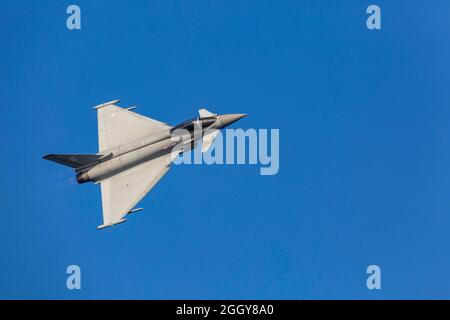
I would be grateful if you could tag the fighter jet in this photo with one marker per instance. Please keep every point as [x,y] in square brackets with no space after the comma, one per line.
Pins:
[135,152]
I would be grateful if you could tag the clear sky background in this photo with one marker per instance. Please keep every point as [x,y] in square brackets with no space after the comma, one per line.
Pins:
[364,149]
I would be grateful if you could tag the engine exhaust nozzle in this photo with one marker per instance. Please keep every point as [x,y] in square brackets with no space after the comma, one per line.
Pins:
[83,177]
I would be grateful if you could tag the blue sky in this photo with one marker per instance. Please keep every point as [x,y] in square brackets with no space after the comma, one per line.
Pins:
[364,149]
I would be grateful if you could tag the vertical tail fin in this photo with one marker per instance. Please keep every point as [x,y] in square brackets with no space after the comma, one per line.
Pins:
[73,160]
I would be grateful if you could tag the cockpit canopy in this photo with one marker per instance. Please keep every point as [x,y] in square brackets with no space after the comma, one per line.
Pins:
[190,124]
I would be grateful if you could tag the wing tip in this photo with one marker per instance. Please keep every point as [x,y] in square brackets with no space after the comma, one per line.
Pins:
[103,226]
[106,104]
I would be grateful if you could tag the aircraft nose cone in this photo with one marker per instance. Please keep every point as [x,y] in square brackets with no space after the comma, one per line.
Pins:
[227,119]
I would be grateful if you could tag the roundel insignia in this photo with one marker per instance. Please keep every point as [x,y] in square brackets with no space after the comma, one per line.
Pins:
[73,158]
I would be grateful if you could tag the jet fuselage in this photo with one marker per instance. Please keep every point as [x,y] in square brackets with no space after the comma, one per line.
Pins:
[182,137]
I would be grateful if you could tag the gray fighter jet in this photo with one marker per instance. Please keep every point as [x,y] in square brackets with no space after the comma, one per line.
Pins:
[135,152]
